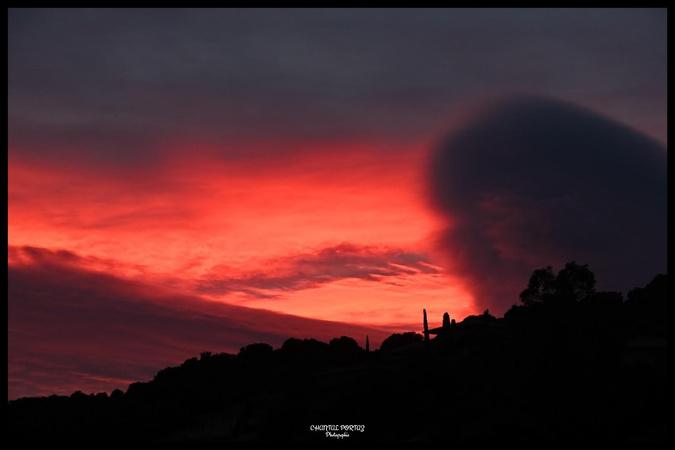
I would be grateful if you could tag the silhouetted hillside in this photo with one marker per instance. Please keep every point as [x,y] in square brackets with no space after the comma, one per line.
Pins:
[569,363]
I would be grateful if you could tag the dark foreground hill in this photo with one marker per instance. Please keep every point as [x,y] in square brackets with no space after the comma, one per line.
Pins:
[568,364]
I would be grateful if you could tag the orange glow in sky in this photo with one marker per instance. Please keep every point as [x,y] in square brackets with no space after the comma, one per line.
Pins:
[312,234]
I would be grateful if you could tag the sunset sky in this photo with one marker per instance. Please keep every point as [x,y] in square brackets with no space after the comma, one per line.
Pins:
[192,180]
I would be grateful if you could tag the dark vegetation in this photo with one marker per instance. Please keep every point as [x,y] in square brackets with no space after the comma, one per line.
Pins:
[569,363]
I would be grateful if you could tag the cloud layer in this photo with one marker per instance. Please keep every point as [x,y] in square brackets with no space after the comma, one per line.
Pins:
[531,181]
[303,271]
[73,328]
[256,81]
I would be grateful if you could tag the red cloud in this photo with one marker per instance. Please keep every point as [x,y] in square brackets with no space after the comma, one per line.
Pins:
[328,264]
[72,327]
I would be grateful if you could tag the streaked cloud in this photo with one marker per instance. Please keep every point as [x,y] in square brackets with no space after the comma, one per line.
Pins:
[73,328]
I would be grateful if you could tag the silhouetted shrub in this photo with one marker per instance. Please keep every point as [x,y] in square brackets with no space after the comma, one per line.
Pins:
[398,340]
[116,394]
[344,344]
[79,396]
[255,351]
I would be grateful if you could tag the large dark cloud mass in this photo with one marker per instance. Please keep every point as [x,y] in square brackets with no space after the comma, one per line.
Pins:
[118,85]
[530,182]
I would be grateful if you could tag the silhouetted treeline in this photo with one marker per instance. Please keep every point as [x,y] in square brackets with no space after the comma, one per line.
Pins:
[569,363]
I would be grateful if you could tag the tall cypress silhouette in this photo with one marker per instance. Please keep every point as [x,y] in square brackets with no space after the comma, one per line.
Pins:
[446,320]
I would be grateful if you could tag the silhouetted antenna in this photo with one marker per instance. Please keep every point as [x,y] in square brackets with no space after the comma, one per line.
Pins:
[426,326]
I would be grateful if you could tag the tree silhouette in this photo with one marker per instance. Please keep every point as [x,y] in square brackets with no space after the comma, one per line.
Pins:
[568,363]
[574,282]
[542,285]
[398,340]
[344,344]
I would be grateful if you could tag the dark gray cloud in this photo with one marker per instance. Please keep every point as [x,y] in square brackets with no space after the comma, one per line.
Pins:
[71,328]
[313,269]
[531,181]
[119,85]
